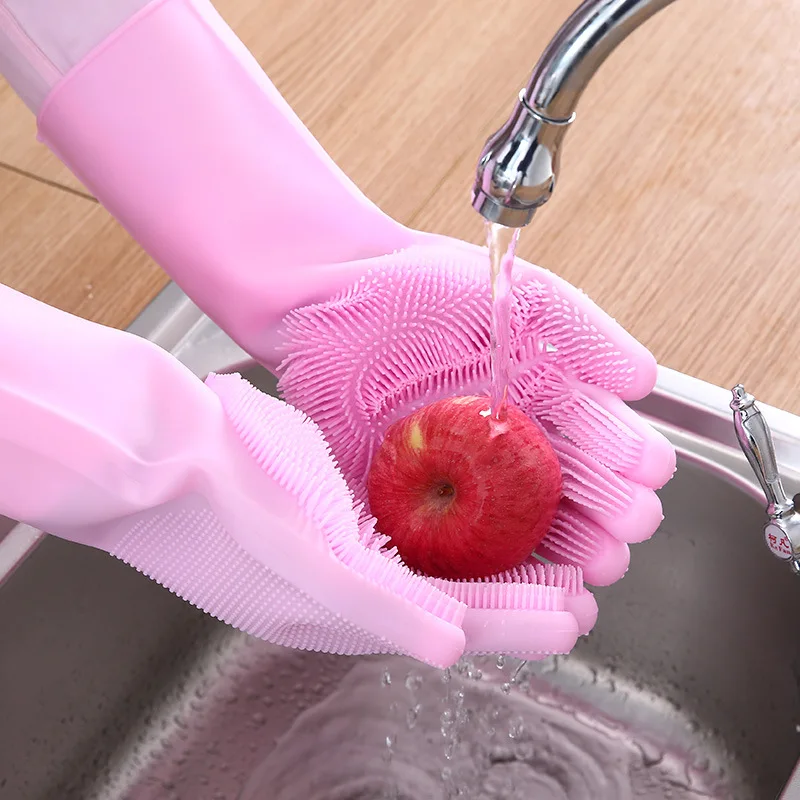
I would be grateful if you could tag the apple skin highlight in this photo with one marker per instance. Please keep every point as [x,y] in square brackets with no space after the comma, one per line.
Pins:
[461,495]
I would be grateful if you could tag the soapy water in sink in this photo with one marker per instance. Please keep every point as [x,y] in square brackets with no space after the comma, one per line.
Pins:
[467,733]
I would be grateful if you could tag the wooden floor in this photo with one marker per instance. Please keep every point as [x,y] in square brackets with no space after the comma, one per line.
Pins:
[679,206]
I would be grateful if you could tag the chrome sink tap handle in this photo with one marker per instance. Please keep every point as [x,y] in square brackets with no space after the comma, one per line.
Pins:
[519,164]
[782,532]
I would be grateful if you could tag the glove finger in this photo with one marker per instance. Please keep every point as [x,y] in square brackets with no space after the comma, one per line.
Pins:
[584,341]
[574,539]
[590,344]
[513,618]
[627,511]
[598,423]
[532,585]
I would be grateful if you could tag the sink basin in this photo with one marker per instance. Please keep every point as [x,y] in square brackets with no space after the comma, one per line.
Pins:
[689,686]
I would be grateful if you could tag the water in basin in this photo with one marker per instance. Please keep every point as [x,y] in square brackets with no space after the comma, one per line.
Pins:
[112,688]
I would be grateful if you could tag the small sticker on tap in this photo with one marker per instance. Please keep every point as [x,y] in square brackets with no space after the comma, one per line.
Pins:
[778,542]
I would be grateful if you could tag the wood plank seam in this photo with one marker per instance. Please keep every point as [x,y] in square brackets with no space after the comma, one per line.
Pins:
[47,182]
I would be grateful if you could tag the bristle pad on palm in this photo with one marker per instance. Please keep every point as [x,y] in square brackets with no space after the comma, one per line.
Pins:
[415,329]
[338,594]
[290,448]
[184,547]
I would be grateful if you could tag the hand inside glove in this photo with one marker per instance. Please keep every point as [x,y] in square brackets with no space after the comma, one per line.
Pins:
[415,329]
[209,169]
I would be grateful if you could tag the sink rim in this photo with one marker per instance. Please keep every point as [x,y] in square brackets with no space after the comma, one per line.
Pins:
[692,413]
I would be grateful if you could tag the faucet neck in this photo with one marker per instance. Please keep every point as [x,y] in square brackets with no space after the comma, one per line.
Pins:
[578,50]
[519,165]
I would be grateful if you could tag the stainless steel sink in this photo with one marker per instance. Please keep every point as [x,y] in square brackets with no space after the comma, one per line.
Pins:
[110,687]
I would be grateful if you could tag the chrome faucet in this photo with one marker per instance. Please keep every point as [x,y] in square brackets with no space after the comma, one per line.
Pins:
[517,173]
[782,531]
[519,165]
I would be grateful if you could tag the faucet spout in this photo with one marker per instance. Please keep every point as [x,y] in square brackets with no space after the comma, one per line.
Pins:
[519,164]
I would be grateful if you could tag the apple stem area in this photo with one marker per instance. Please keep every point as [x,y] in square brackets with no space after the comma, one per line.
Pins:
[442,495]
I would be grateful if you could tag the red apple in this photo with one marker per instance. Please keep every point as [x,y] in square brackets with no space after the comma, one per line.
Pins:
[460,494]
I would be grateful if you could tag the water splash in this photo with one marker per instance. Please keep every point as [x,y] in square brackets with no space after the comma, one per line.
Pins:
[469,740]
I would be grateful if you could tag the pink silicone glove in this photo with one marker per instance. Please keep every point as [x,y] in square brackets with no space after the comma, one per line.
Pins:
[175,128]
[415,329]
[108,441]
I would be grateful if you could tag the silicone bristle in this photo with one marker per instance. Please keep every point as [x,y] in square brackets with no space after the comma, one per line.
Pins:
[565,576]
[414,331]
[501,594]
[531,586]
[579,601]
[543,392]
[588,483]
[186,550]
[573,537]
[582,347]
[263,424]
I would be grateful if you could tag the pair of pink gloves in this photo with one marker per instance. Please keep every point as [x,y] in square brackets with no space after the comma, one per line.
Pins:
[106,440]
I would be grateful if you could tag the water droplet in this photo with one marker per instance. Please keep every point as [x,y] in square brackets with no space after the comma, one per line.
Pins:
[447,722]
[524,751]
[413,682]
[386,678]
[516,727]
[412,715]
[446,675]
[506,688]
[501,662]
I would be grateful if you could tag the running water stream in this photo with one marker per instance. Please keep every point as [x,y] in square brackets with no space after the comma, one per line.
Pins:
[502,243]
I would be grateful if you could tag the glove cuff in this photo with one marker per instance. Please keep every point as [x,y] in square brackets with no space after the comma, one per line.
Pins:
[175,128]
